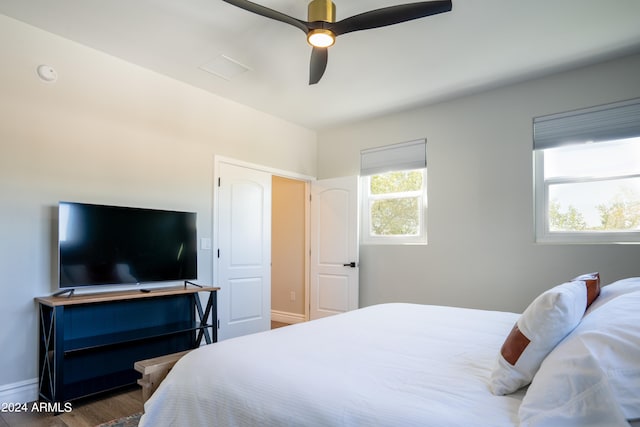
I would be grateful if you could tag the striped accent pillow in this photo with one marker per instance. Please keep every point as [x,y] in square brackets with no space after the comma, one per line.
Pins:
[592,282]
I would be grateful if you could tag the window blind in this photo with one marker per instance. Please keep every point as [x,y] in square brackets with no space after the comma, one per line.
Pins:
[404,156]
[596,124]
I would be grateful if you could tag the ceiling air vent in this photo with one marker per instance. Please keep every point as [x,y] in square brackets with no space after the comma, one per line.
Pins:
[224,67]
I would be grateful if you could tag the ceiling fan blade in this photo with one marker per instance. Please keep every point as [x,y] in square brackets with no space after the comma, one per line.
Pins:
[389,16]
[319,56]
[269,13]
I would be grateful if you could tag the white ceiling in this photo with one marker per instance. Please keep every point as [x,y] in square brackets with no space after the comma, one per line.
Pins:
[480,44]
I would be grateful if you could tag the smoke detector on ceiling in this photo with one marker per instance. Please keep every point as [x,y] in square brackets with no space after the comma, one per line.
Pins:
[47,73]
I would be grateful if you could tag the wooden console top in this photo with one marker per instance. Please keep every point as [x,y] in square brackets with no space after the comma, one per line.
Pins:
[52,301]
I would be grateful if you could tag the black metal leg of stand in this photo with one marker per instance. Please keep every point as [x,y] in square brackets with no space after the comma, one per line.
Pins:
[203,318]
[46,382]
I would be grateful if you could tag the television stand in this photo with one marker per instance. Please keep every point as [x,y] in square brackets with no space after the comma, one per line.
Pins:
[89,343]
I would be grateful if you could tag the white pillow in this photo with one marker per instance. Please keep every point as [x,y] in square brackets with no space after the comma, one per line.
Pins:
[614,290]
[593,373]
[547,320]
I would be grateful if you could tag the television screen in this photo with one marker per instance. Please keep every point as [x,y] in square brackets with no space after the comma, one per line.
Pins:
[104,245]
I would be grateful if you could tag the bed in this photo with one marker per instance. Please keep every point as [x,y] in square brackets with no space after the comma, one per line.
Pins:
[410,365]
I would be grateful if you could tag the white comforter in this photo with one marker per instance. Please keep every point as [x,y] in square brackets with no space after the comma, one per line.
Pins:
[385,365]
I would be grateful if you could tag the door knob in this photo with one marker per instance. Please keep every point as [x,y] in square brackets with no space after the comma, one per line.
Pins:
[351,264]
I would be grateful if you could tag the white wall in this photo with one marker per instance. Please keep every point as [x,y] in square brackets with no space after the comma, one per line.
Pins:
[107,132]
[481,251]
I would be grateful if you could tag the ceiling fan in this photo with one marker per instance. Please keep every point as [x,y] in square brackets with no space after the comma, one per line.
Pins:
[322,30]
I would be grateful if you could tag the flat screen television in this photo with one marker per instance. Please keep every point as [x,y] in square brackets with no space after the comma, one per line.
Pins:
[109,245]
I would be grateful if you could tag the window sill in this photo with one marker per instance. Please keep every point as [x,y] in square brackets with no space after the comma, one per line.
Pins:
[590,238]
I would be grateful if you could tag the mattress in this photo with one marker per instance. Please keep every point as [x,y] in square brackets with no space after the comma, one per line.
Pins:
[384,365]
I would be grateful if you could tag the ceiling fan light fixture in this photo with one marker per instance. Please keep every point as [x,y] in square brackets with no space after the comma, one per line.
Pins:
[321,38]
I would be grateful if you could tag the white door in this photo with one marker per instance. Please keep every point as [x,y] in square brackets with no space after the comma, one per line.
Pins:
[334,246]
[244,244]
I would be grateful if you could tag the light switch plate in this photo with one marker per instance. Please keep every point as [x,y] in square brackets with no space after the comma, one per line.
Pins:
[205,243]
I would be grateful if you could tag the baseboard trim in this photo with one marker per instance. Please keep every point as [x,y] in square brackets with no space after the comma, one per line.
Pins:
[19,392]
[284,317]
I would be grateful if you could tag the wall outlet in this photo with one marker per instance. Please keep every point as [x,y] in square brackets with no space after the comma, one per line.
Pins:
[292,296]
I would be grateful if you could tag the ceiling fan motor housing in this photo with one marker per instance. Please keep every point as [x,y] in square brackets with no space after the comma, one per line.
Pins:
[322,10]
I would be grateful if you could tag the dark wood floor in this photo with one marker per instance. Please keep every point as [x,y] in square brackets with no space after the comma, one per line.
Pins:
[86,412]
[275,325]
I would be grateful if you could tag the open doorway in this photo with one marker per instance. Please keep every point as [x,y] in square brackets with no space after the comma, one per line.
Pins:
[289,250]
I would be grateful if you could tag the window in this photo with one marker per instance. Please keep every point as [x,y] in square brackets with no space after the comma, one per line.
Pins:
[587,175]
[394,182]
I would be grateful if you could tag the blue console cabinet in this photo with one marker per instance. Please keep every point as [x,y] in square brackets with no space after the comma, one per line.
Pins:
[89,343]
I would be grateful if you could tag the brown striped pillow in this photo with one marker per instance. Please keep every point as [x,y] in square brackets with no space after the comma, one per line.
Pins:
[592,282]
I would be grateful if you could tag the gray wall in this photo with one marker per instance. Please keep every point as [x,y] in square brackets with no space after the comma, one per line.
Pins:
[107,132]
[481,251]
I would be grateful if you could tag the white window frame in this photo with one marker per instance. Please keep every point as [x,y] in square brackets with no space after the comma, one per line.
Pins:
[596,124]
[368,199]
[544,235]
